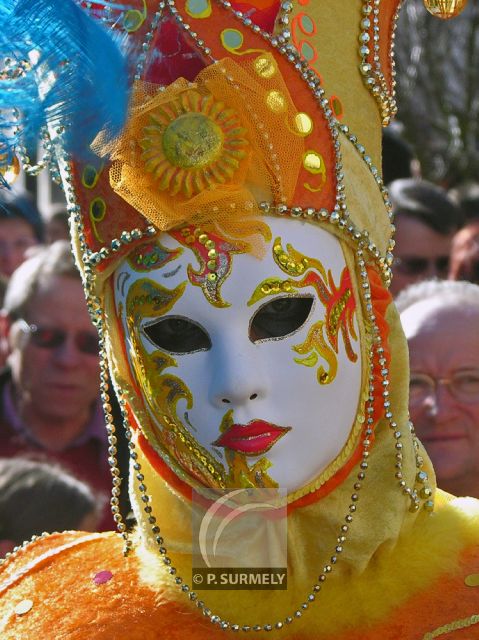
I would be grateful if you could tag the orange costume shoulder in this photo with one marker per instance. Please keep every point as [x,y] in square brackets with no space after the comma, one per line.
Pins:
[74,586]
[80,586]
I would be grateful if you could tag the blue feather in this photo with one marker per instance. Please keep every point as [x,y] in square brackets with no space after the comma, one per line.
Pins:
[70,70]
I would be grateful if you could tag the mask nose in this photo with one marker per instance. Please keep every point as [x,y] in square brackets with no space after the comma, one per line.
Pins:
[239,379]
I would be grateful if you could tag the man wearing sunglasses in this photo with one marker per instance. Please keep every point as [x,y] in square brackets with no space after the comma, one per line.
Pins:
[49,393]
[441,320]
[426,220]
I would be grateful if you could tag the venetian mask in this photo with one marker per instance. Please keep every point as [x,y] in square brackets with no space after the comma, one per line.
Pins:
[248,367]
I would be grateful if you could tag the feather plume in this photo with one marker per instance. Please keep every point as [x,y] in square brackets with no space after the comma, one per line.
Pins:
[58,66]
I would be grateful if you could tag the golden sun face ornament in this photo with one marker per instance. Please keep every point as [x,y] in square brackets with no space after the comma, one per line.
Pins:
[193,143]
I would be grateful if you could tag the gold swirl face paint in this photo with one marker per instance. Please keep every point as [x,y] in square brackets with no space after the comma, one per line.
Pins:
[214,255]
[338,301]
[161,390]
[218,368]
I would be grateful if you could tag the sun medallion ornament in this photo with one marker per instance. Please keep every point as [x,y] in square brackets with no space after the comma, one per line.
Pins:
[193,143]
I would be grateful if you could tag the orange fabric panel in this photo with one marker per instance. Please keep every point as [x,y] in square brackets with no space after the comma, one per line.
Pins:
[448,601]
[62,576]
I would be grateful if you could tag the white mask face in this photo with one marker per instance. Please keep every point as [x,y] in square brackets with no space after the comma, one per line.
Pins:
[250,369]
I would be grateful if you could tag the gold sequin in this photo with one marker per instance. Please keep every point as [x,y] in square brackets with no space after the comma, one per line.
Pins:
[303,124]
[270,286]
[276,101]
[265,66]
[23,607]
[313,162]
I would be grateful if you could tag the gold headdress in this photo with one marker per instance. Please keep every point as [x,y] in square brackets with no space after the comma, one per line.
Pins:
[255,129]
[275,121]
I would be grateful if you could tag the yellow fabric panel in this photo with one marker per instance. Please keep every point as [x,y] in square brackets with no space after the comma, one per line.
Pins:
[365,203]
[337,45]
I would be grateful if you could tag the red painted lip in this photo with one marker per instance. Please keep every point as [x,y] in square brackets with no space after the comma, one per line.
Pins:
[253,438]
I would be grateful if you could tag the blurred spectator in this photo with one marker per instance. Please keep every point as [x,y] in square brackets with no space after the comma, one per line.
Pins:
[441,320]
[21,227]
[57,227]
[398,160]
[49,393]
[426,220]
[466,196]
[465,244]
[3,342]
[37,497]
[3,289]
[465,253]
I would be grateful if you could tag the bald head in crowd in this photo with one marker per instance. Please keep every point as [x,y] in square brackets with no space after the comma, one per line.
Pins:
[441,321]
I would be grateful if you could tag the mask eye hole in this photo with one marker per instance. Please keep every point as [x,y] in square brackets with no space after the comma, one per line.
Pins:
[280,318]
[177,334]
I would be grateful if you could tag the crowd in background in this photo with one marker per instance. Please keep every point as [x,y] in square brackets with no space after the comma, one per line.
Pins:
[54,472]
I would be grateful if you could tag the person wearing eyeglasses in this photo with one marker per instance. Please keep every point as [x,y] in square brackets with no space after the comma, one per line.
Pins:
[441,320]
[426,220]
[49,400]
